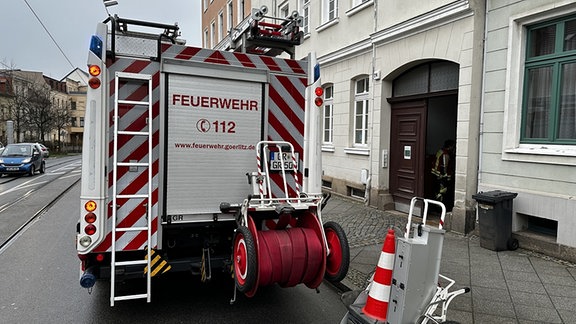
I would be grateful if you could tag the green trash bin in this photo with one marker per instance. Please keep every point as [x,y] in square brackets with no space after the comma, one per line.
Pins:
[495,218]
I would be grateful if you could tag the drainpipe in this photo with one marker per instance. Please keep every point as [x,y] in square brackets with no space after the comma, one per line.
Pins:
[481,130]
[372,108]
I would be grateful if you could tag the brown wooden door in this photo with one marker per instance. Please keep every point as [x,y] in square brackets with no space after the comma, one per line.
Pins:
[407,150]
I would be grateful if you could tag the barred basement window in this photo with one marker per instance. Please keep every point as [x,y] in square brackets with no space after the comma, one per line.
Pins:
[355,192]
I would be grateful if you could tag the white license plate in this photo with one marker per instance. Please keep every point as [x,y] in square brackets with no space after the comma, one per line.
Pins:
[276,161]
[12,168]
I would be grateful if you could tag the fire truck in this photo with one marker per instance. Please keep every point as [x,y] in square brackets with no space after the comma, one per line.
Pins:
[199,160]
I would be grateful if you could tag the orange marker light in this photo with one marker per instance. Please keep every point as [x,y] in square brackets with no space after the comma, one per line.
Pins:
[94,70]
[90,206]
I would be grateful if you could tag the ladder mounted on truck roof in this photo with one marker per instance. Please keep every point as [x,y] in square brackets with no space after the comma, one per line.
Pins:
[256,36]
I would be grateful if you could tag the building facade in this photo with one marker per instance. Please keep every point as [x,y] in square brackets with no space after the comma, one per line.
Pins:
[66,101]
[14,101]
[399,83]
[402,78]
[403,81]
[219,17]
[76,87]
[528,121]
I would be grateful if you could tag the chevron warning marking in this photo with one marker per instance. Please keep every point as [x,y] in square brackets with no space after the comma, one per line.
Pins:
[157,264]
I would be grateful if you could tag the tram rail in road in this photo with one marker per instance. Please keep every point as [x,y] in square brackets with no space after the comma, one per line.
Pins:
[40,193]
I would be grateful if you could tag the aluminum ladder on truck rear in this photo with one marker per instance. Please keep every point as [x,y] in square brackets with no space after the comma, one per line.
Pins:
[144,81]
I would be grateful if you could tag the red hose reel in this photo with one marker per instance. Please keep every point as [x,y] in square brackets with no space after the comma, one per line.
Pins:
[289,255]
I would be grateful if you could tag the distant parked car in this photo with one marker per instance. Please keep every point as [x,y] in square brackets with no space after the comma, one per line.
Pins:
[22,158]
[45,150]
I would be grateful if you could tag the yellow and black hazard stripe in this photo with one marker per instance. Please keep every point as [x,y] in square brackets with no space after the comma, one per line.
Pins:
[158,265]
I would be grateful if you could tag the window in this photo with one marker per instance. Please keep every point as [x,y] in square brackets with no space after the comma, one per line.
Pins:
[241,10]
[549,101]
[205,5]
[306,16]
[230,15]
[81,121]
[73,105]
[73,121]
[220,25]
[212,34]
[284,10]
[361,95]
[427,78]
[329,10]
[328,114]
[358,6]
[205,38]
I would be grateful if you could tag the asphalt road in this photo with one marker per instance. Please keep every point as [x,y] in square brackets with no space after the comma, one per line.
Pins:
[21,197]
[39,281]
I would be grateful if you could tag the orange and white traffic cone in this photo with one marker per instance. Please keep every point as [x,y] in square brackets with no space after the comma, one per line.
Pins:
[379,295]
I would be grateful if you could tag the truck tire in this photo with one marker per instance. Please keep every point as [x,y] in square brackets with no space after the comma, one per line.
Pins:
[338,260]
[245,260]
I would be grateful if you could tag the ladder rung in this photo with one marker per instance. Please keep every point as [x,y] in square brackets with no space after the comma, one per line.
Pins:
[132,262]
[133,76]
[130,297]
[132,164]
[132,196]
[133,133]
[131,229]
[132,102]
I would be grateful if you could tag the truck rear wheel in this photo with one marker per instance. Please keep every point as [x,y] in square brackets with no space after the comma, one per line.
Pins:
[245,269]
[338,260]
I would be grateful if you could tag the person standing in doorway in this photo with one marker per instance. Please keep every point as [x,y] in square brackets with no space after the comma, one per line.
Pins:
[443,170]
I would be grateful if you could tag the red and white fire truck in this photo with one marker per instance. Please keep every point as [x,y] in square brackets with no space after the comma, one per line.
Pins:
[199,160]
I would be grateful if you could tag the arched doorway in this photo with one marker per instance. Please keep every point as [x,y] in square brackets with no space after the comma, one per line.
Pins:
[424,106]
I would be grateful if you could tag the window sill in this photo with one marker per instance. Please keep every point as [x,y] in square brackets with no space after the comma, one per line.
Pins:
[357,151]
[328,24]
[359,8]
[542,153]
[328,148]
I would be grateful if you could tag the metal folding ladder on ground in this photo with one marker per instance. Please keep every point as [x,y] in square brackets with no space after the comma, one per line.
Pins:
[140,79]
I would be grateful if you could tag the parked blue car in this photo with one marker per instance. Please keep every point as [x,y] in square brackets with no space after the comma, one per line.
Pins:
[22,158]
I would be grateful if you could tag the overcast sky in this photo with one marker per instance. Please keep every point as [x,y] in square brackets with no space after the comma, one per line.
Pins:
[26,45]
